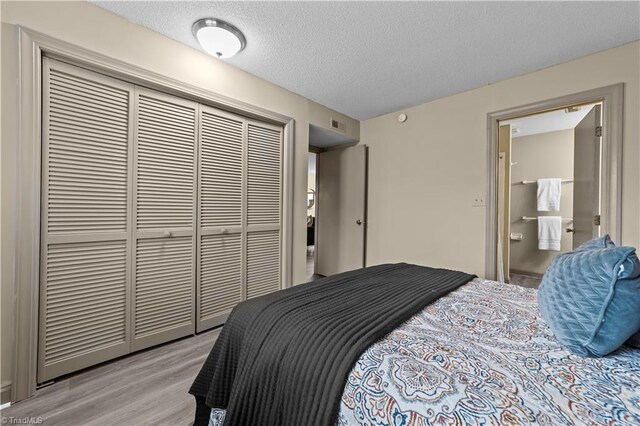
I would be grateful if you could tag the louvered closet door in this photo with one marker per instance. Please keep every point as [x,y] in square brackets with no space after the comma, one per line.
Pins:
[87,129]
[165,218]
[264,215]
[221,240]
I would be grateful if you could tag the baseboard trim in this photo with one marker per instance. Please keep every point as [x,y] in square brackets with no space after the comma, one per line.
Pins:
[5,394]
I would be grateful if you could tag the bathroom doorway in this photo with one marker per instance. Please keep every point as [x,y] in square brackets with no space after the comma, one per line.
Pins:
[550,211]
[556,183]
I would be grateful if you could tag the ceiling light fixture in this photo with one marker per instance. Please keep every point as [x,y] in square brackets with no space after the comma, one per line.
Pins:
[218,38]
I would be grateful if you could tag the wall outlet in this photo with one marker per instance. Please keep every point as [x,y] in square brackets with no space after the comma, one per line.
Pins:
[479,201]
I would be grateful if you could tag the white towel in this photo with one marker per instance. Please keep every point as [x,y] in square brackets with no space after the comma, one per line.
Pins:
[549,191]
[549,232]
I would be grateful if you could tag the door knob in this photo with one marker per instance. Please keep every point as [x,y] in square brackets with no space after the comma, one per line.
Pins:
[573,231]
[359,222]
[167,234]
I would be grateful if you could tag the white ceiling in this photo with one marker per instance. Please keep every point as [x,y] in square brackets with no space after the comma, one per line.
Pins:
[365,59]
[551,121]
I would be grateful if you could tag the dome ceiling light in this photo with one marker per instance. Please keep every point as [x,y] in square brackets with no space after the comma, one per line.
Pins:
[218,38]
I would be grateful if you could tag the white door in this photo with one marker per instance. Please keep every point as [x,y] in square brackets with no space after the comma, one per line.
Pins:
[586,177]
[341,227]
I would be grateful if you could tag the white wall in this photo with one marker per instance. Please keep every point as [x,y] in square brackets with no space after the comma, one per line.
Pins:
[544,155]
[96,29]
[424,173]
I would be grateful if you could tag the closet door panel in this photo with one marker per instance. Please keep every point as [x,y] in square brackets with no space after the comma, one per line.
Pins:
[263,263]
[165,218]
[221,270]
[85,314]
[87,132]
[165,162]
[221,210]
[221,169]
[264,187]
[86,156]
[264,192]
[164,287]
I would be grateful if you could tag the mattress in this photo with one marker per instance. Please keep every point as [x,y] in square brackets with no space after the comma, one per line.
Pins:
[483,355]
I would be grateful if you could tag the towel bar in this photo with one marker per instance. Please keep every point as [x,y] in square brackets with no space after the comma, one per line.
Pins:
[527,182]
[564,219]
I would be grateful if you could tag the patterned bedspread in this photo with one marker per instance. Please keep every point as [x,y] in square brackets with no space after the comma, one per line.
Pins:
[483,356]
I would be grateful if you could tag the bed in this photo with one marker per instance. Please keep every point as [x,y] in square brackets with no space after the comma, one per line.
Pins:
[482,355]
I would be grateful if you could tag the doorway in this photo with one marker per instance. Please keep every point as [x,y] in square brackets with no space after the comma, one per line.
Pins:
[312,205]
[554,180]
[549,182]
[336,203]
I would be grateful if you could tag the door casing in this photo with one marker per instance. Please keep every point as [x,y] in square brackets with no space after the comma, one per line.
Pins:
[612,98]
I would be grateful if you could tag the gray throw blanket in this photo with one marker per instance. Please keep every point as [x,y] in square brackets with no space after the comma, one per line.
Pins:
[284,358]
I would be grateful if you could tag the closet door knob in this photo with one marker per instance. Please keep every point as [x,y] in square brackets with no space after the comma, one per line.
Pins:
[571,230]
[167,234]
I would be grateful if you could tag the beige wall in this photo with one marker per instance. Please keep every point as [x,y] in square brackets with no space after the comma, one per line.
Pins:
[546,155]
[93,28]
[425,173]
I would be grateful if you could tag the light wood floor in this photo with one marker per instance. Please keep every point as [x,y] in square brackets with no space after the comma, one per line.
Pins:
[147,388]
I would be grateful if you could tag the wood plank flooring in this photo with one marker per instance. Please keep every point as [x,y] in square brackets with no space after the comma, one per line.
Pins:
[146,388]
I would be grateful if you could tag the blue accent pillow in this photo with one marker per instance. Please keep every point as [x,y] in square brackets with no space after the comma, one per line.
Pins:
[590,298]
[597,243]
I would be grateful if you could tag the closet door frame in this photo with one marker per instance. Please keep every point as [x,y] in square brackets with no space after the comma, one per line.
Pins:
[32,47]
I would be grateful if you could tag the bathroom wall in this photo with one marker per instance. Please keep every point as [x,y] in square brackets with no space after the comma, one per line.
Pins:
[545,155]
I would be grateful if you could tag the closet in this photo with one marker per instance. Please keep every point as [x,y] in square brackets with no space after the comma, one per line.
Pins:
[159,215]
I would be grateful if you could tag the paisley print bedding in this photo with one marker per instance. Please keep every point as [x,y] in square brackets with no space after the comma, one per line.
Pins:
[483,356]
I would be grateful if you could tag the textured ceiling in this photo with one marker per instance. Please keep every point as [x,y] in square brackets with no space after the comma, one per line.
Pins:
[548,121]
[365,59]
